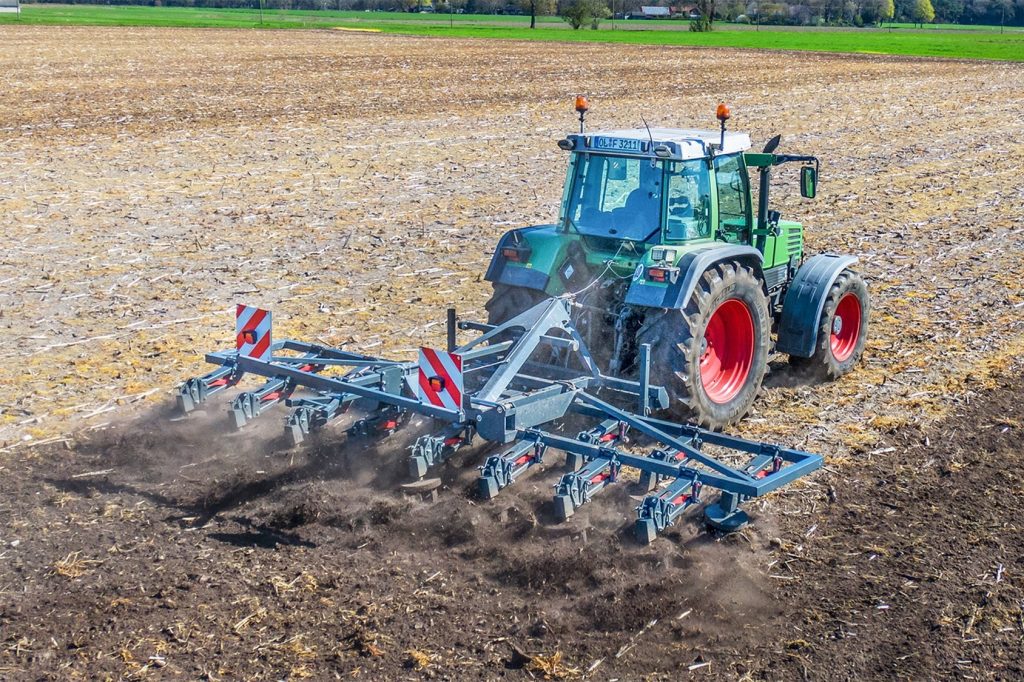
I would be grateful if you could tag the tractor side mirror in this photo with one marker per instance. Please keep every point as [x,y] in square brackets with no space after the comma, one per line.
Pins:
[808,182]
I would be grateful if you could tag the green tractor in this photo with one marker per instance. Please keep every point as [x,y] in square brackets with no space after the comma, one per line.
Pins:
[662,240]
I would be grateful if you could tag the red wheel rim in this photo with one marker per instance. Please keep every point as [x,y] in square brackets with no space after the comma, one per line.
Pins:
[846,327]
[729,351]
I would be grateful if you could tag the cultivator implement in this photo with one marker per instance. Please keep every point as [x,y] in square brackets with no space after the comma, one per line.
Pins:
[518,386]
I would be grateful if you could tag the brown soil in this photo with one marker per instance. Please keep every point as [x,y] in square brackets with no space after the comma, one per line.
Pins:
[912,568]
[150,547]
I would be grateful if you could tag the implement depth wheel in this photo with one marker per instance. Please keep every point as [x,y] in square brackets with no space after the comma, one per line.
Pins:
[712,355]
[842,329]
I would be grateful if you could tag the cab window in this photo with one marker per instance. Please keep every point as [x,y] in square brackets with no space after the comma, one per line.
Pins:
[733,196]
[616,196]
[689,201]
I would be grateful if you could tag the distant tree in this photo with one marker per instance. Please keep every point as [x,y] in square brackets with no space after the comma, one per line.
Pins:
[579,12]
[598,12]
[705,22]
[535,7]
[1005,10]
[948,11]
[924,13]
[732,9]
[773,12]
[573,13]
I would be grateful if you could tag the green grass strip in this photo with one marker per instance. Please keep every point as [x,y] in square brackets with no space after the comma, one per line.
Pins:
[952,42]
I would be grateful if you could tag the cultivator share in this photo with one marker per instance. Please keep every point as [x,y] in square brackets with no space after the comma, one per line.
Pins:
[625,336]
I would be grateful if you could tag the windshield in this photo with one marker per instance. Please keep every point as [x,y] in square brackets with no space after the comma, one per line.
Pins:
[616,197]
[621,198]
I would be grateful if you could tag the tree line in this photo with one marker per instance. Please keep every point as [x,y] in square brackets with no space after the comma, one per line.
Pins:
[589,13]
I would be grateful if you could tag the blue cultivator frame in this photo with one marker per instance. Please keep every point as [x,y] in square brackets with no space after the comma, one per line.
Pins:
[521,380]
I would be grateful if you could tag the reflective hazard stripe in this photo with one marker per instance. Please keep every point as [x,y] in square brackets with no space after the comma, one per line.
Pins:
[252,332]
[436,364]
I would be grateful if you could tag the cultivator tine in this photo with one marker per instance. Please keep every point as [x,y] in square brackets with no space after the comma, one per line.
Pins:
[310,414]
[501,471]
[725,514]
[429,451]
[650,480]
[299,423]
[579,487]
[583,481]
[605,433]
[248,405]
[658,512]
[194,392]
[383,423]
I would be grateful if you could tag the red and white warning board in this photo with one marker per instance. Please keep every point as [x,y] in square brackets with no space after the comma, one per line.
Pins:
[440,378]
[252,332]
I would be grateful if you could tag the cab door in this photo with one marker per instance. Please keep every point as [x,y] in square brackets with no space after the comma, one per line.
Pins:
[688,206]
[732,187]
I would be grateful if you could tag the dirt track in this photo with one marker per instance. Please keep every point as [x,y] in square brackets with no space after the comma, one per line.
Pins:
[355,184]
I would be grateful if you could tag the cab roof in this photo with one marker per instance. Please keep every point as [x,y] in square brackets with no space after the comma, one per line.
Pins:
[681,143]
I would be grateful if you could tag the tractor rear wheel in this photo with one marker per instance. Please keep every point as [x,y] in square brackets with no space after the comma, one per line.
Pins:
[712,354]
[508,301]
[842,329]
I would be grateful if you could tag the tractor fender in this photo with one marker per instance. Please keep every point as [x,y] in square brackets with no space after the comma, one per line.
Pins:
[691,267]
[527,278]
[805,299]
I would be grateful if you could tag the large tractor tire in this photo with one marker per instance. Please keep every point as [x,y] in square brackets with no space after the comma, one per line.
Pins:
[712,355]
[842,329]
[508,301]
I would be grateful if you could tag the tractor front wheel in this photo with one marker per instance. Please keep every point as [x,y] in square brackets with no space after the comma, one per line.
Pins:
[842,329]
[712,354]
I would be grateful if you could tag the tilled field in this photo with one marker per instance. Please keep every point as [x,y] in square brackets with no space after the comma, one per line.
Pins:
[356,184]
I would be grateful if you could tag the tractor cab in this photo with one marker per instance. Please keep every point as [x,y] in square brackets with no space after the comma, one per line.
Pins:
[657,186]
[628,191]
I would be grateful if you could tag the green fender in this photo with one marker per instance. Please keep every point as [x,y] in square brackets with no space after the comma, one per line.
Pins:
[500,271]
[691,266]
[805,299]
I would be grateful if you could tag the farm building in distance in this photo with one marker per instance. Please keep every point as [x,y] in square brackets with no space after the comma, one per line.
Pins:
[10,7]
[657,12]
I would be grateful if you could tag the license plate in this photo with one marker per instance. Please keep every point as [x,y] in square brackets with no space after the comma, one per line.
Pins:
[618,144]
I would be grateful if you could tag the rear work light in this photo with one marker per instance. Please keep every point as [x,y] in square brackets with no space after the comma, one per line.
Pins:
[662,274]
[516,254]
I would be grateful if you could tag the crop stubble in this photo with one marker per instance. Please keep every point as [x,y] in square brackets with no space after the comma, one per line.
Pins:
[356,184]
